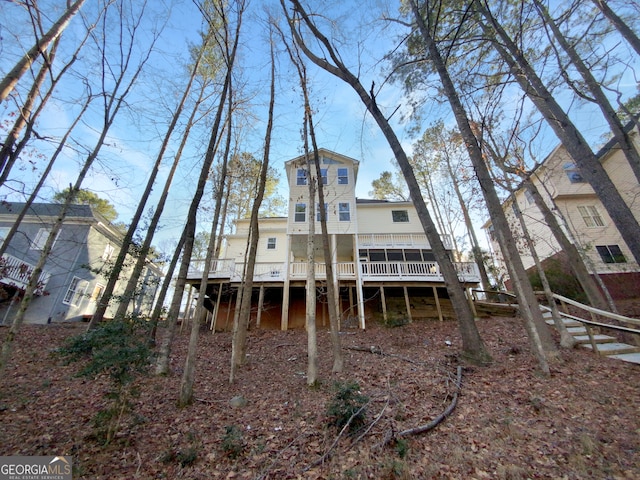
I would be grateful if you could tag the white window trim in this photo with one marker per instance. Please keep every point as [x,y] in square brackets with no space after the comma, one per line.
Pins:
[272,242]
[393,216]
[303,212]
[301,179]
[75,292]
[346,211]
[345,177]
[41,238]
[591,216]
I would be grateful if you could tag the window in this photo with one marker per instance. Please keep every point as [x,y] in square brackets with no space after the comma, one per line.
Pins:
[4,231]
[591,216]
[41,239]
[326,212]
[301,178]
[75,292]
[108,252]
[300,214]
[97,292]
[400,216]
[573,173]
[343,176]
[271,243]
[344,214]
[323,173]
[611,254]
[529,196]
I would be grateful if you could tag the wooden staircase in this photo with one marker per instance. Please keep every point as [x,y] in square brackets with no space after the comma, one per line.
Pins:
[604,345]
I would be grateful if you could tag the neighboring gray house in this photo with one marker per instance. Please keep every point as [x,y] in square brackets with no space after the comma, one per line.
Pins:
[75,273]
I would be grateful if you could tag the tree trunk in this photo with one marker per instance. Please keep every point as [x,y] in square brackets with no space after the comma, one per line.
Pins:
[9,82]
[624,29]
[240,327]
[162,365]
[589,165]
[473,347]
[619,133]
[539,335]
[132,282]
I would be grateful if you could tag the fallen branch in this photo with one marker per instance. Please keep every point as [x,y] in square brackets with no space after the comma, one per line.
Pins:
[433,423]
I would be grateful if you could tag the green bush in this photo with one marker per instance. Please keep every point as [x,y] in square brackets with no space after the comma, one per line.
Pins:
[119,349]
[348,406]
[232,442]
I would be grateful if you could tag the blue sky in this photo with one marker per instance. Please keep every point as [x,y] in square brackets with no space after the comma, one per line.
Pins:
[341,122]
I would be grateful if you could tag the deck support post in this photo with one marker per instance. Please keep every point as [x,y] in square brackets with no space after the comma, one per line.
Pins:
[435,295]
[284,319]
[407,303]
[384,304]
[216,309]
[260,304]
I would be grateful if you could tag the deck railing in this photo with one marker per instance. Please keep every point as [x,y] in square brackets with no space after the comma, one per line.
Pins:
[263,272]
[16,272]
[399,240]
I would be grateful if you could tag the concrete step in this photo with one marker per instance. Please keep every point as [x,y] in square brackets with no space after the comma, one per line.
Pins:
[613,348]
[599,338]
[577,330]
[567,322]
[627,357]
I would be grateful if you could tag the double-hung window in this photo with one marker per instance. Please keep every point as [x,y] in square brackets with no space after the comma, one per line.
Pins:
[324,174]
[591,216]
[75,292]
[343,176]
[41,238]
[271,243]
[300,214]
[344,213]
[301,177]
[611,254]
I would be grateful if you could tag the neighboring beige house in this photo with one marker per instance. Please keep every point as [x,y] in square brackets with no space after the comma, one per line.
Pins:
[382,260]
[74,275]
[584,217]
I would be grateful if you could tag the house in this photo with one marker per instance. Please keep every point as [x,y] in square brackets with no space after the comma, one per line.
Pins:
[582,216]
[383,263]
[75,273]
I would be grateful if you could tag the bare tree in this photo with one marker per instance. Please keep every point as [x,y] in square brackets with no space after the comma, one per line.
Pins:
[122,80]
[228,44]
[116,270]
[473,346]
[239,344]
[10,80]
[624,29]
[598,96]
[539,336]
[589,165]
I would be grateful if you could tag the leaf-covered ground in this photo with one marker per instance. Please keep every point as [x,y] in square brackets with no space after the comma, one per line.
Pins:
[509,423]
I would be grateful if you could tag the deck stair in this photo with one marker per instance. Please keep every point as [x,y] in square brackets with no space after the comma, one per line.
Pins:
[605,345]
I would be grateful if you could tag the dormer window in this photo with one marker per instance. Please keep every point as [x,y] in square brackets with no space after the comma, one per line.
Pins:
[301,177]
[343,176]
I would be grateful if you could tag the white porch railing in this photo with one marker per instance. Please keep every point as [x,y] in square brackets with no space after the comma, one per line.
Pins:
[16,272]
[275,272]
[399,240]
